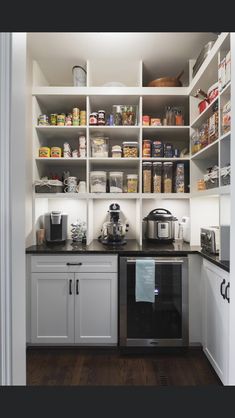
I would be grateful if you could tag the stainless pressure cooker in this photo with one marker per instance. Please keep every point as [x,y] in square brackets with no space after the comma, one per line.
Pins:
[159,225]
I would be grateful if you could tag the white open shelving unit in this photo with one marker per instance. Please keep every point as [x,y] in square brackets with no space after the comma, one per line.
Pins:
[152,101]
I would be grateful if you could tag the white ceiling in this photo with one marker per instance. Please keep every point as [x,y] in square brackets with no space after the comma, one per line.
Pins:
[164,54]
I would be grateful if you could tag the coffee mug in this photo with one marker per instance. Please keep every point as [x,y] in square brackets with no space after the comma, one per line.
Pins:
[71,188]
[70,181]
[82,187]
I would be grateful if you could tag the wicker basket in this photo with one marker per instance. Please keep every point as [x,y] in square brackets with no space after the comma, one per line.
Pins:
[49,186]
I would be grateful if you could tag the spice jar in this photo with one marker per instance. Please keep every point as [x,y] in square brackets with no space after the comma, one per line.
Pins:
[53,119]
[68,119]
[145,120]
[147,177]
[157,177]
[56,152]
[167,177]
[43,120]
[44,152]
[146,151]
[132,183]
[116,151]
[130,149]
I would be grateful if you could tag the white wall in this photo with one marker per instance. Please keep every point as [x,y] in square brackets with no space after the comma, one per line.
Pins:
[204,212]
[29,152]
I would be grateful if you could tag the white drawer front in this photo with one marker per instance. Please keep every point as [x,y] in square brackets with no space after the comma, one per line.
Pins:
[74,263]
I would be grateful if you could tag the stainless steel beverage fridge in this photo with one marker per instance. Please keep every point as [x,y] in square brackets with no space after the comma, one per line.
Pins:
[164,322]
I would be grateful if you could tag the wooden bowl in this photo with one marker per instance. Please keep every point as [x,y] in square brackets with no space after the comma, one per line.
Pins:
[167,81]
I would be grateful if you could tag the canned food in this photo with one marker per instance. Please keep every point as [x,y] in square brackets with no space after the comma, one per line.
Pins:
[93,119]
[155,122]
[147,144]
[43,120]
[68,119]
[56,152]
[83,117]
[61,119]
[75,112]
[145,120]
[44,152]
[53,118]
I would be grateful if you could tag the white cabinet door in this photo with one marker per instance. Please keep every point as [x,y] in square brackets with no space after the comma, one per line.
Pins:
[52,308]
[216,317]
[96,308]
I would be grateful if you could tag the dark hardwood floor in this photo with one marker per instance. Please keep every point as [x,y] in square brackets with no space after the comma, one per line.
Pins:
[64,366]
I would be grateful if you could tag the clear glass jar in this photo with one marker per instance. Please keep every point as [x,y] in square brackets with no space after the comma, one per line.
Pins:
[116,151]
[167,177]
[132,183]
[129,114]
[117,115]
[98,181]
[99,147]
[157,177]
[130,149]
[179,178]
[147,177]
[116,181]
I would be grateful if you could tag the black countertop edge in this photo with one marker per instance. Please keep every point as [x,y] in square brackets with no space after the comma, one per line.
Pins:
[131,248]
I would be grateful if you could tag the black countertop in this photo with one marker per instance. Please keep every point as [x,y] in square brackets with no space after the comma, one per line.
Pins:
[131,248]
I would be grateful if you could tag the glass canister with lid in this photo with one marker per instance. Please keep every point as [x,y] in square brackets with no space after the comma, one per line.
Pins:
[130,149]
[132,183]
[147,177]
[98,181]
[99,147]
[167,177]
[157,177]
[116,181]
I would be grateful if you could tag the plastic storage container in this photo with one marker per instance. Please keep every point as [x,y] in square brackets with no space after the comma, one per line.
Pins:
[167,177]
[99,147]
[116,151]
[157,177]
[147,177]
[211,178]
[225,174]
[132,183]
[130,149]
[179,178]
[116,182]
[98,181]
[79,76]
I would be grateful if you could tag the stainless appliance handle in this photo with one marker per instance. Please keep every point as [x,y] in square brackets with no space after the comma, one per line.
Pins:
[162,261]
[74,264]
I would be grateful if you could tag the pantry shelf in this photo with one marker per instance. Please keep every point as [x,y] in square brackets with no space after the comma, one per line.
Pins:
[224,136]
[65,132]
[76,196]
[117,162]
[207,152]
[226,91]
[166,159]
[215,192]
[204,115]
[165,195]
[116,196]
[61,161]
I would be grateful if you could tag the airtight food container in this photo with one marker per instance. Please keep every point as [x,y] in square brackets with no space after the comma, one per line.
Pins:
[98,181]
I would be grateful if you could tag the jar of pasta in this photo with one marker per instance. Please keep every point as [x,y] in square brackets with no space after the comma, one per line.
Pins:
[157,177]
[167,177]
[132,183]
[147,177]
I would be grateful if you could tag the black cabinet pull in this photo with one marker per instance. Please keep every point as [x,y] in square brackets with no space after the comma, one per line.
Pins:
[221,289]
[77,287]
[226,292]
[74,264]
[70,287]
